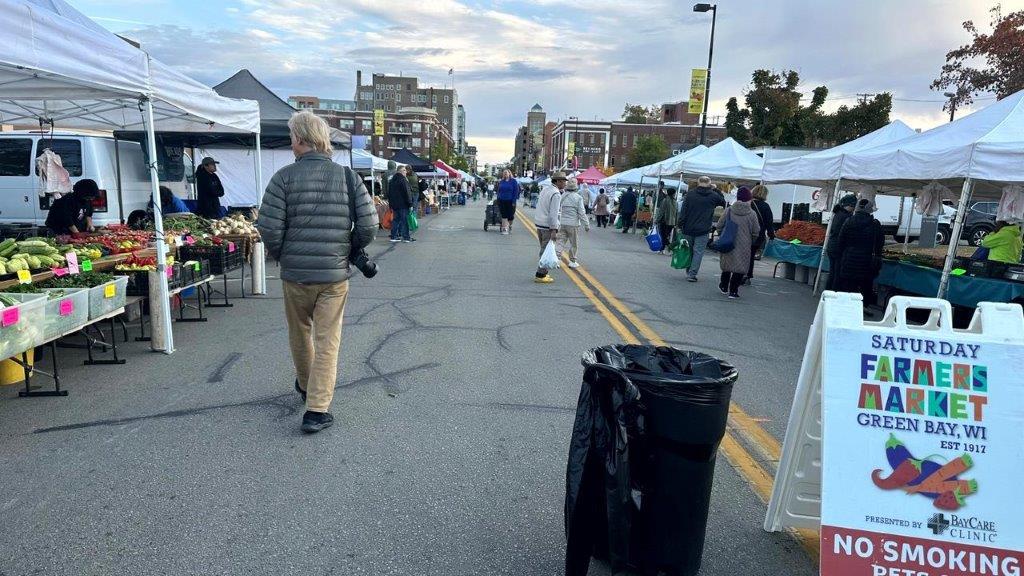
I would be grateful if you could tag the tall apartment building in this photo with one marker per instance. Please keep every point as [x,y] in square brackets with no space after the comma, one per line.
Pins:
[530,142]
[316,103]
[392,93]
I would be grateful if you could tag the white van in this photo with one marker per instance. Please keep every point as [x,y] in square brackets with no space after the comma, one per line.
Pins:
[83,155]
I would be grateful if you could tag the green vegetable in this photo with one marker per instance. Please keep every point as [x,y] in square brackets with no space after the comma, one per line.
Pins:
[34,263]
[22,289]
[83,280]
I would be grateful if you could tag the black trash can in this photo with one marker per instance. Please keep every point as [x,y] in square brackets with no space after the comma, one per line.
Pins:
[641,463]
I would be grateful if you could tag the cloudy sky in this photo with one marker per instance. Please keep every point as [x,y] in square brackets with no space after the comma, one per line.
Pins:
[583,58]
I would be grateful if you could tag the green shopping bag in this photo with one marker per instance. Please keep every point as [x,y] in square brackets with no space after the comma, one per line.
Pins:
[618,222]
[682,254]
[414,224]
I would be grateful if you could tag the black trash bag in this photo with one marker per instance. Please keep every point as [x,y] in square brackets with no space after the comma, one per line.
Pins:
[664,412]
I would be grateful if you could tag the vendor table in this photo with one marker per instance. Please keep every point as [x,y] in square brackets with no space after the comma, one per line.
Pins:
[202,291]
[799,261]
[963,290]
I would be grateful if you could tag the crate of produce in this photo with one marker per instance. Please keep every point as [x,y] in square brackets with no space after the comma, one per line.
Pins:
[67,309]
[22,322]
[107,297]
[221,258]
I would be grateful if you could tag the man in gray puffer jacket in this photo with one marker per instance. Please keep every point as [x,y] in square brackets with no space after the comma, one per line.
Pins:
[307,224]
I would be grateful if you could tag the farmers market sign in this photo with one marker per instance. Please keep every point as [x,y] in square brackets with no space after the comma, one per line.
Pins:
[922,449]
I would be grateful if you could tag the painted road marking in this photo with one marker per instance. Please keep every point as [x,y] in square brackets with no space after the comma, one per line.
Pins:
[742,423]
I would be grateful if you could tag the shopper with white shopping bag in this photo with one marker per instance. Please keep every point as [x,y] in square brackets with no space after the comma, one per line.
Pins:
[547,222]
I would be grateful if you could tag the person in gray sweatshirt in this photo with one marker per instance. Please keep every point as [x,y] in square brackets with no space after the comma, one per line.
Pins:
[572,216]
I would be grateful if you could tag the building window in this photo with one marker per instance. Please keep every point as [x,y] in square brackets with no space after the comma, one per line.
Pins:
[417,127]
[435,98]
[615,139]
[611,161]
[446,99]
[408,87]
[347,124]
[398,97]
[367,126]
[417,142]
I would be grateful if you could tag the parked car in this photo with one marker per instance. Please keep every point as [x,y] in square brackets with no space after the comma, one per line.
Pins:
[112,164]
[980,220]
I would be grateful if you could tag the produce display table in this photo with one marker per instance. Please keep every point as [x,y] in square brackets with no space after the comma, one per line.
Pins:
[104,264]
[799,261]
[963,290]
[199,285]
[30,369]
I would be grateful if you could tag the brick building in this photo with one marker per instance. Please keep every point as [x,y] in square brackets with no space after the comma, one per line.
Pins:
[392,93]
[607,144]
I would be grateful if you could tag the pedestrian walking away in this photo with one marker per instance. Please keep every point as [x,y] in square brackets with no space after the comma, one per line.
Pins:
[547,219]
[734,262]
[860,252]
[767,221]
[572,216]
[665,216]
[601,211]
[627,208]
[841,212]
[398,201]
[315,214]
[508,193]
[696,220]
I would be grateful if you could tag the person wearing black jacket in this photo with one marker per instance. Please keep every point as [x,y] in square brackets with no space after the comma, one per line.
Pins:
[72,213]
[696,220]
[767,220]
[209,189]
[398,201]
[860,251]
[840,214]
[627,208]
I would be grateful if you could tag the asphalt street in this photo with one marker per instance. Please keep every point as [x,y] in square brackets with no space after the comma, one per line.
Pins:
[454,406]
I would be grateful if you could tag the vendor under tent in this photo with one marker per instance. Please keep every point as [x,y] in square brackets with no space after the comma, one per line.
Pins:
[825,168]
[982,154]
[58,68]
[590,176]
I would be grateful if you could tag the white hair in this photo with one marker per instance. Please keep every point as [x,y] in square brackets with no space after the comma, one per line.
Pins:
[311,130]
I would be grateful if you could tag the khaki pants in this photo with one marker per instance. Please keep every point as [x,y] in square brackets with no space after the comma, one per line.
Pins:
[569,239]
[545,235]
[314,313]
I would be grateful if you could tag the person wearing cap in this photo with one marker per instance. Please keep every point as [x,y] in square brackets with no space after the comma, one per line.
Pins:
[72,213]
[572,215]
[547,219]
[734,263]
[209,189]
[840,214]
[696,219]
[860,252]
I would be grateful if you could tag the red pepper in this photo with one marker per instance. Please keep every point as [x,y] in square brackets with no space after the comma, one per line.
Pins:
[901,476]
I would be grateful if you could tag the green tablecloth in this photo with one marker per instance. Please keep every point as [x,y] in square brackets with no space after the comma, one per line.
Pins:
[800,254]
[962,291]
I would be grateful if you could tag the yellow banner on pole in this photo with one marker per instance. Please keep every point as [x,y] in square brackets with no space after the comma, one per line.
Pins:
[698,88]
[378,122]
[572,150]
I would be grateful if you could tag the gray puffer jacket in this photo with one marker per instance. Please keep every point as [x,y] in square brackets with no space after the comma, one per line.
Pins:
[306,221]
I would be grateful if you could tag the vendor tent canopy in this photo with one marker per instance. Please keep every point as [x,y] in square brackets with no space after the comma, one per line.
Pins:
[405,156]
[671,164]
[440,164]
[630,177]
[363,161]
[524,180]
[825,167]
[727,159]
[59,68]
[244,85]
[467,176]
[590,176]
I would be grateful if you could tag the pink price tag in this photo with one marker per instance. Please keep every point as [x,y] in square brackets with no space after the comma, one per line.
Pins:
[231,246]
[10,316]
[72,259]
[58,272]
[67,307]
[190,240]
[170,271]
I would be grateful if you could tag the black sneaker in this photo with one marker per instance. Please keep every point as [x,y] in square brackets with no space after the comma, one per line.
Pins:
[300,390]
[313,422]
[407,240]
[691,278]
[723,289]
[733,296]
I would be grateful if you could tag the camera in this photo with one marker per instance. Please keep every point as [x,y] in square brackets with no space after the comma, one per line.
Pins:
[361,260]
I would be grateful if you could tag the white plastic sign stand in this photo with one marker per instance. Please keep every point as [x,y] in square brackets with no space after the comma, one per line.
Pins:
[904,444]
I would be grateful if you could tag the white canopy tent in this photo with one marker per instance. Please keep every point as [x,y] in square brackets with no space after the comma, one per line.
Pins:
[59,68]
[672,164]
[241,187]
[982,153]
[364,161]
[727,159]
[825,168]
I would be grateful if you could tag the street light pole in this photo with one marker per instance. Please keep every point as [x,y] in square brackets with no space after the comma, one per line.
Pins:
[952,104]
[711,50]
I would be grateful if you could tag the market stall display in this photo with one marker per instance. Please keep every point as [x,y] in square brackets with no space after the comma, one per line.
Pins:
[803,232]
[22,318]
[106,291]
[66,308]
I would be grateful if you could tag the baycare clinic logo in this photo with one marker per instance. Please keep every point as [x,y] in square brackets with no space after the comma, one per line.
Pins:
[966,528]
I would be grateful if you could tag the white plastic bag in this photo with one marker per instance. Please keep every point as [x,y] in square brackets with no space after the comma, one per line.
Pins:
[930,201]
[549,259]
[1011,205]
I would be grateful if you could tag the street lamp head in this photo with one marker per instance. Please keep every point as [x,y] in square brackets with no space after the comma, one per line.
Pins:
[703,7]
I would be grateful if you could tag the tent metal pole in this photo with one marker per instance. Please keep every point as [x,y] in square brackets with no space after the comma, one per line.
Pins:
[954,239]
[828,229]
[899,222]
[906,235]
[259,170]
[117,172]
[163,299]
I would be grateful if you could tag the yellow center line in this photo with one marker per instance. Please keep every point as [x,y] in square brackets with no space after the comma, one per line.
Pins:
[759,480]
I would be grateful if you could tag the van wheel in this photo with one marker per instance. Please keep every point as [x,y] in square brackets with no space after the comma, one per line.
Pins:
[135,219]
[942,235]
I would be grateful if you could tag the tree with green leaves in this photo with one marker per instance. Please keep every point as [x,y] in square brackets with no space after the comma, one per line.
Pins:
[459,162]
[440,151]
[639,114]
[736,122]
[648,150]
[1002,52]
[848,122]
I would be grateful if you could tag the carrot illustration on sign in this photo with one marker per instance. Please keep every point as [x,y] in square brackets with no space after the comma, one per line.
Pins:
[925,477]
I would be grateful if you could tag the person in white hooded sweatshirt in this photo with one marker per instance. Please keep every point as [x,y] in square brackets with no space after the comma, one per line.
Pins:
[547,220]
[573,215]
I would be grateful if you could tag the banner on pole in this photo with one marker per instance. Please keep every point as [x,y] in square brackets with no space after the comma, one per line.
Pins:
[698,88]
[378,122]
[572,150]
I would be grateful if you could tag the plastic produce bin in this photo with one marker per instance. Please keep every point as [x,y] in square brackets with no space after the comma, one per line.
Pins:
[107,297]
[65,313]
[642,458]
[22,325]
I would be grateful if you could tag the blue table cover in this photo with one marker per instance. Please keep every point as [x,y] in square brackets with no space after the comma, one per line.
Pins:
[801,254]
[962,291]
